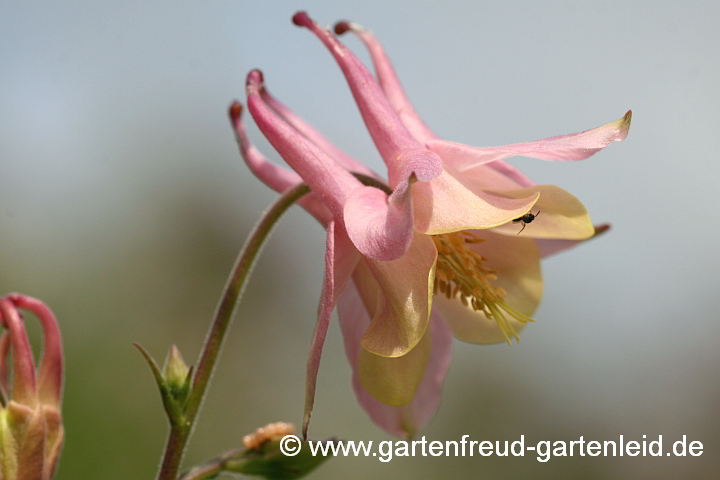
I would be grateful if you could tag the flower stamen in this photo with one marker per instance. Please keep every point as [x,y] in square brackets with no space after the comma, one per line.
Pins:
[461,273]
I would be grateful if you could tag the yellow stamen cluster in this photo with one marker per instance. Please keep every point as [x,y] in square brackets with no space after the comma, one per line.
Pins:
[267,433]
[461,273]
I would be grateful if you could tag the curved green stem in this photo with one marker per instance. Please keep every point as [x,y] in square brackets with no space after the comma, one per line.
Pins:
[180,431]
[179,434]
[232,293]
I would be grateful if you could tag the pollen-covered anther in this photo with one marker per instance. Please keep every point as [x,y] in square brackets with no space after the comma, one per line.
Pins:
[268,432]
[461,273]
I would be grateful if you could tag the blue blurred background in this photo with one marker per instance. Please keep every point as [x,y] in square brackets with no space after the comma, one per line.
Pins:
[124,201]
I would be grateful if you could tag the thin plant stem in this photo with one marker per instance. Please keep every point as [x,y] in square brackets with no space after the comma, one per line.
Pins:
[181,427]
[180,430]
[212,468]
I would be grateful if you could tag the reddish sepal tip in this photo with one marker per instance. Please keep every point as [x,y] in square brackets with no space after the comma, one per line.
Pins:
[627,119]
[342,27]
[235,110]
[301,19]
[600,229]
[255,76]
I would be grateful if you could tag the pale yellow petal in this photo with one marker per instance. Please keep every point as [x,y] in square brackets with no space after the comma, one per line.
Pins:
[398,296]
[393,381]
[517,261]
[561,216]
[448,203]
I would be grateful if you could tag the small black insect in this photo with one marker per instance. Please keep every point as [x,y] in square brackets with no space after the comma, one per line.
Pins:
[525,219]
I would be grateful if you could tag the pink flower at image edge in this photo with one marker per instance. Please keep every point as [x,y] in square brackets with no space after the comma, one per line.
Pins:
[33,433]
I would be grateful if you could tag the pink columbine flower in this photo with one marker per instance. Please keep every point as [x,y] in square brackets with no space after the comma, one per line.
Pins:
[31,426]
[440,254]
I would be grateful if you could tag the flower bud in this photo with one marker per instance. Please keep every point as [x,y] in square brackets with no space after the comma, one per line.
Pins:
[176,375]
[273,452]
[31,425]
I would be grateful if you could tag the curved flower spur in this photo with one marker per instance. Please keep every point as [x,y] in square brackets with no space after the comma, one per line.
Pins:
[434,253]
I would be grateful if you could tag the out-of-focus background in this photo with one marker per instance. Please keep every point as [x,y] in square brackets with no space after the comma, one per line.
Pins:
[124,201]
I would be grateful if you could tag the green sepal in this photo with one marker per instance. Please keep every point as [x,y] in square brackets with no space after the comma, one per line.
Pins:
[173,408]
[177,376]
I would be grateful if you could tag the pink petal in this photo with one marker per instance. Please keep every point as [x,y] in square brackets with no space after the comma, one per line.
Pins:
[395,144]
[23,374]
[274,176]
[576,146]
[395,93]
[5,362]
[381,227]
[340,260]
[561,215]
[398,294]
[449,204]
[549,246]
[50,373]
[487,177]
[389,82]
[369,210]
[420,164]
[309,132]
[511,172]
[517,262]
[407,419]
[326,178]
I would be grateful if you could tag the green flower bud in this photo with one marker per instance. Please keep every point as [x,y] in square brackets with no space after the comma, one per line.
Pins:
[177,375]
